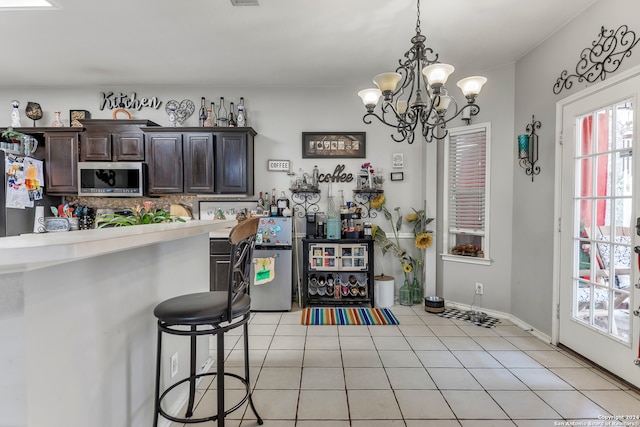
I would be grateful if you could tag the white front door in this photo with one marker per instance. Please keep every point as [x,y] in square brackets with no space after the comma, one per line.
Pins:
[599,205]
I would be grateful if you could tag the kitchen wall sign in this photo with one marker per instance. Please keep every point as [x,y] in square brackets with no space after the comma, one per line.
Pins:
[279,165]
[338,175]
[112,101]
[333,145]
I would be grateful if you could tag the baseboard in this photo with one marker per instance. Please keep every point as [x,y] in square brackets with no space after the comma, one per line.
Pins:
[506,316]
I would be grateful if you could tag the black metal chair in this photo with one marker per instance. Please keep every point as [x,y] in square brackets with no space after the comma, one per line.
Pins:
[211,313]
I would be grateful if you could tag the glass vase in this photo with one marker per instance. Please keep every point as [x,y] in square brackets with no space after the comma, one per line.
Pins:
[405,296]
[417,293]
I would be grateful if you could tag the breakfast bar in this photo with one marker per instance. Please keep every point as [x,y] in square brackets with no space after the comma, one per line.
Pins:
[77,324]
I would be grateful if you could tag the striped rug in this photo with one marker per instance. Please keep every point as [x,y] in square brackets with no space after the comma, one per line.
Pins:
[348,316]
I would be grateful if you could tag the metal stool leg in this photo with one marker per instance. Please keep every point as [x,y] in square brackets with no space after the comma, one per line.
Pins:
[157,395]
[192,375]
[246,371]
[220,377]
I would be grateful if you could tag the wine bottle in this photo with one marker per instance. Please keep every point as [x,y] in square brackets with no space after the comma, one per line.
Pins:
[242,119]
[231,120]
[222,113]
[214,117]
[282,203]
[203,112]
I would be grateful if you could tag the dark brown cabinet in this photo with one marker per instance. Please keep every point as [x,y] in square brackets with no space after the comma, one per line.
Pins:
[219,256]
[234,157]
[211,160]
[164,161]
[198,163]
[113,140]
[61,162]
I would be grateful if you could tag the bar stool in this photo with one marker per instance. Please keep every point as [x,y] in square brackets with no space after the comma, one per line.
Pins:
[211,313]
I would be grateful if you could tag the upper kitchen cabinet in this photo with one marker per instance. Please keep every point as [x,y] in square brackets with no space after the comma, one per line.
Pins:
[164,160]
[113,140]
[61,158]
[198,162]
[234,161]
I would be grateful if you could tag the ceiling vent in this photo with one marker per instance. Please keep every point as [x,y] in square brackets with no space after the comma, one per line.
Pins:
[244,2]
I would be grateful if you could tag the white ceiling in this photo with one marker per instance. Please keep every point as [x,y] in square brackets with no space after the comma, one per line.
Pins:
[279,43]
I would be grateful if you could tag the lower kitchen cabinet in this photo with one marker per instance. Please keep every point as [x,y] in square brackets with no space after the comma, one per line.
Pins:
[219,261]
[337,272]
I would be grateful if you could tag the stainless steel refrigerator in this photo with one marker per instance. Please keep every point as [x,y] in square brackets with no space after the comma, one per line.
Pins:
[14,222]
[273,243]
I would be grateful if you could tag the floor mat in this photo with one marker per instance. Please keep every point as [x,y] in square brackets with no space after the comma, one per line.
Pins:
[452,313]
[348,316]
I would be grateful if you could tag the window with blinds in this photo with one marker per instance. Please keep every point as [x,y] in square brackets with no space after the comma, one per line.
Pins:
[467,191]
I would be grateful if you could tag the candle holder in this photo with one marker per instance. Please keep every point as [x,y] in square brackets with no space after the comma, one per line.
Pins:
[528,148]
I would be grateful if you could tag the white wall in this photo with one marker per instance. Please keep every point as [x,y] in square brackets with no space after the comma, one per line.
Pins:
[457,280]
[533,222]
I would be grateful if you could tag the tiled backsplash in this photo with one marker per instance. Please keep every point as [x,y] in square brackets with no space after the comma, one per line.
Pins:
[194,203]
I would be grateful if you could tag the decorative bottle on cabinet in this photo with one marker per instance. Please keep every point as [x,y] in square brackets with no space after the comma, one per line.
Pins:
[222,113]
[57,123]
[232,120]
[203,113]
[209,121]
[242,119]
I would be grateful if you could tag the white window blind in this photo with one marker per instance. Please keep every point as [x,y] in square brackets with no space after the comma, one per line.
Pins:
[467,182]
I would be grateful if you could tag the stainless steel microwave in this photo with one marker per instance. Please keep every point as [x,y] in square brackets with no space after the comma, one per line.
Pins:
[111,179]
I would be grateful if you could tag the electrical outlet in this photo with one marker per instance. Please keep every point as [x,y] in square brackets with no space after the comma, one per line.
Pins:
[174,364]
[479,288]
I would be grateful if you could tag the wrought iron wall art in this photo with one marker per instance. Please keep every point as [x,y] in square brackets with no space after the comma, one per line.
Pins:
[528,148]
[603,57]
[362,199]
[305,201]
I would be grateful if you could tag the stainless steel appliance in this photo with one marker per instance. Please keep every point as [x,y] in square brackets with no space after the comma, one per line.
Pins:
[14,222]
[111,179]
[273,241]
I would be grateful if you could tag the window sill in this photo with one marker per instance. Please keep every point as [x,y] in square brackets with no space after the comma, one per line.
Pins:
[466,259]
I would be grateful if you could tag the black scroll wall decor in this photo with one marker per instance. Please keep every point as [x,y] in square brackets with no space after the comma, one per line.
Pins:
[603,57]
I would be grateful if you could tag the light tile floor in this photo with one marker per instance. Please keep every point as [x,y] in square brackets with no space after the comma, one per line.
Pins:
[428,371]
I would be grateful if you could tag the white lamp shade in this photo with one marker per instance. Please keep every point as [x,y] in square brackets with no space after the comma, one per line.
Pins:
[387,81]
[471,86]
[441,103]
[370,96]
[437,74]
[401,106]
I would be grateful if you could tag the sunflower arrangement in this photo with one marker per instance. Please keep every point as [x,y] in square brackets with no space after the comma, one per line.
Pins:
[423,237]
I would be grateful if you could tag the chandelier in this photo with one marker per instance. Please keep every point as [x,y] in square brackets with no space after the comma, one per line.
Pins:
[409,99]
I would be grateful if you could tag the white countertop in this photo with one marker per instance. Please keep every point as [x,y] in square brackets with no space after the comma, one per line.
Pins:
[31,251]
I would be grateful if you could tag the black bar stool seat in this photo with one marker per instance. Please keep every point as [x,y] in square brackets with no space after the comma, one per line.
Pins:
[211,313]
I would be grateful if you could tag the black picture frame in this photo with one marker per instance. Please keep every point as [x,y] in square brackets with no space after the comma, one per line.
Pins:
[334,145]
[397,176]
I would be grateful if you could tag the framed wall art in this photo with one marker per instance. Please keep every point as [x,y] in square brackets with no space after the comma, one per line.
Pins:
[397,176]
[334,145]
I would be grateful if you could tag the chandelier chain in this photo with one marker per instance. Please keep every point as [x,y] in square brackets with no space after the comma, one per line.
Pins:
[418,21]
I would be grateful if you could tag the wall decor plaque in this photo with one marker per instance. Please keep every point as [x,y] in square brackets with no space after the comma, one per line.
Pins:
[333,145]
[76,115]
